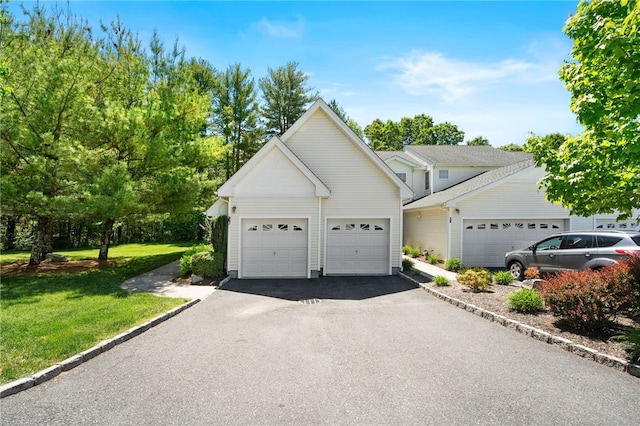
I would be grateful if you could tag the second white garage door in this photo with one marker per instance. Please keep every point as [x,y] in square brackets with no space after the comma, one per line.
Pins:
[357,247]
[274,248]
[485,242]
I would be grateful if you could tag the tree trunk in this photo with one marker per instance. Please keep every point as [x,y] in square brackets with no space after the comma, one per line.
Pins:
[37,247]
[10,235]
[48,238]
[106,239]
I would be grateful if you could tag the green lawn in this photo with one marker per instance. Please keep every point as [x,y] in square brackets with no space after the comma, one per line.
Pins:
[115,252]
[47,318]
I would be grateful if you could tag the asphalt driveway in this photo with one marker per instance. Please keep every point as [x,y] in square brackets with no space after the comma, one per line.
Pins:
[359,351]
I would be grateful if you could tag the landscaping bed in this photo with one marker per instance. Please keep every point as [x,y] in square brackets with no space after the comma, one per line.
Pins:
[494,301]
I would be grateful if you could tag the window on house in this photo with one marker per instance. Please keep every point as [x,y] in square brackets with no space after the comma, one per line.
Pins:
[443,174]
[364,226]
[427,185]
[297,228]
[283,227]
[267,226]
[402,176]
[349,226]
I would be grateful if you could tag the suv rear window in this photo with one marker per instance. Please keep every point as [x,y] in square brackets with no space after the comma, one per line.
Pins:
[636,239]
[607,241]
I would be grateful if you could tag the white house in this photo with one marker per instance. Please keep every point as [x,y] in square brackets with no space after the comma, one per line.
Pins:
[314,201]
[479,202]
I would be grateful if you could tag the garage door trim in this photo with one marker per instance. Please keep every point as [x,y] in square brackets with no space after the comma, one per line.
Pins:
[241,221]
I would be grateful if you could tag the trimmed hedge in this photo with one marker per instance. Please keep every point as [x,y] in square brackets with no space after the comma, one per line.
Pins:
[208,264]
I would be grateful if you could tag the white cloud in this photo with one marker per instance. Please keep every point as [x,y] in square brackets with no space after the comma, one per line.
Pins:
[280,29]
[432,73]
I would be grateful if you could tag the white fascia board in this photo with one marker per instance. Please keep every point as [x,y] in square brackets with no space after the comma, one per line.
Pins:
[427,161]
[406,162]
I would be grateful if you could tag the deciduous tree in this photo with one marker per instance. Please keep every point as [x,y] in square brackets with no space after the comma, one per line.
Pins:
[598,171]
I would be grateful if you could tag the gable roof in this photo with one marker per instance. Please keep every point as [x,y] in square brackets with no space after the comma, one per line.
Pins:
[227,189]
[466,156]
[401,156]
[479,183]
[405,190]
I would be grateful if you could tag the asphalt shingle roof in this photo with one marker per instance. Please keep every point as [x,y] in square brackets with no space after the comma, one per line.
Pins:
[484,179]
[385,155]
[470,156]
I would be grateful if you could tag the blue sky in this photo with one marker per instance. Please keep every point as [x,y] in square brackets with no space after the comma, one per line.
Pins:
[489,67]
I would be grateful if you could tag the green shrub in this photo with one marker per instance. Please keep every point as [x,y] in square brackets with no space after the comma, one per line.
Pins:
[503,278]
[407,265]
[406,250]
[525,301]
[477,279]
[434,258]
[440,281]
[589,300]
[631,339]
[453,264]
[185,260]
[207,264]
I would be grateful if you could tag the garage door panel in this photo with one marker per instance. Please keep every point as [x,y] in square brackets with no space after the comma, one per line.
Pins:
[357,247]
[485,242]
[274,248]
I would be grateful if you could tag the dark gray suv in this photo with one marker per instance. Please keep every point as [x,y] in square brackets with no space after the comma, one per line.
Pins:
[575,250]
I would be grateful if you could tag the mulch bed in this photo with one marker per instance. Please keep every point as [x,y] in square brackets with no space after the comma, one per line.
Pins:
[494,301]
[71,266]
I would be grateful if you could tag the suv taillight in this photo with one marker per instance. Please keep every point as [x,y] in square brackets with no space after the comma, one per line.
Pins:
[627,251]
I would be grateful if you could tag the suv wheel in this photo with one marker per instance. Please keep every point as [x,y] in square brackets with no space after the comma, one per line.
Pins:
[517,270]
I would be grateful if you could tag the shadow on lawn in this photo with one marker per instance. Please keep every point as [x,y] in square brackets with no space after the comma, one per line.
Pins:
[101,280]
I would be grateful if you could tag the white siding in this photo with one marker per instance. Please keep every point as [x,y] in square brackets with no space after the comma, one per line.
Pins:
[426,230]
[275,174]
[456,175]
[272,207]
[358,187]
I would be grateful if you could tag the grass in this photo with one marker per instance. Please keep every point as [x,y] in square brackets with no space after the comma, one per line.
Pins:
[115,252]
[47,318]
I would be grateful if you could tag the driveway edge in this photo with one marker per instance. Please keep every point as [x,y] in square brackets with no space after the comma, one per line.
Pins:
[543,336]
[75,360]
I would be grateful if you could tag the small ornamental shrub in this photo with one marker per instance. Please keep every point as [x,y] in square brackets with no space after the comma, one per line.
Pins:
[632,263]
[434,258]
[531,273]
[440,281]
[415,252]
[407,265]
[631,339]
[477,279]
[588,300]
[207,264]
[406,250]
[453,264]
[503,278]
[185,260]
[525,301]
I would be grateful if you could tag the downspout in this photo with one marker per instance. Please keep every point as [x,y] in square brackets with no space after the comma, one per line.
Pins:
[449,232]
[401,235]
[320,232]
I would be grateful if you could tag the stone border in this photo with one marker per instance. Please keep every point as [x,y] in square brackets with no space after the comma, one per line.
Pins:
[74,361]
[543,336]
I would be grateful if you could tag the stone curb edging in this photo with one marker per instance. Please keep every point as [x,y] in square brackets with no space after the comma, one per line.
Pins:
[75,360]
[543,336]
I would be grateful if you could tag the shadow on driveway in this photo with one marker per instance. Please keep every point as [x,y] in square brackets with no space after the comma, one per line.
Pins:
[338,288]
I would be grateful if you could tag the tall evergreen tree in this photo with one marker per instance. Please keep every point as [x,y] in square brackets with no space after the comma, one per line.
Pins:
[286,97]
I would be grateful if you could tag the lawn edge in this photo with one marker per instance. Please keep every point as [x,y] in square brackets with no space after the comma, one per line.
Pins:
[49,373]
[535,333]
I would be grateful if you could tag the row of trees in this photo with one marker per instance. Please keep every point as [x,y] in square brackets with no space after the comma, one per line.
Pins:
[101,129]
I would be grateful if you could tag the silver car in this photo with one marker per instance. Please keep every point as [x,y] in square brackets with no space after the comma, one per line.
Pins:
[575,250]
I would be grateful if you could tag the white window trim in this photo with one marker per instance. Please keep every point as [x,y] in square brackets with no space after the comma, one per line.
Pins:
[441,172]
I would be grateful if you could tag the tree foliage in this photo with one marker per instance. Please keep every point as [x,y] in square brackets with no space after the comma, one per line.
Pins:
[286,96]
[511,147]
[419,130]
[97,129]
[478,141]
[340,112]
[598,171]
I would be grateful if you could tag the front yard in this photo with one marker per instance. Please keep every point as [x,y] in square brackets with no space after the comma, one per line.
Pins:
[49,314]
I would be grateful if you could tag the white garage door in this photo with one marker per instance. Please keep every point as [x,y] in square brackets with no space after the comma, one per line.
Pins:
[274,248]
[613,224]
[357,247]
[484,242]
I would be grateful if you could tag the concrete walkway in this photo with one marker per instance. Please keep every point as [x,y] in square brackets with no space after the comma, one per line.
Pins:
[159,282]
[431,270]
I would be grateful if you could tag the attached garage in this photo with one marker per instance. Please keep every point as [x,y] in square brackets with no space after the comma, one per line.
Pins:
[485,242]
[357,247]
[274,248]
